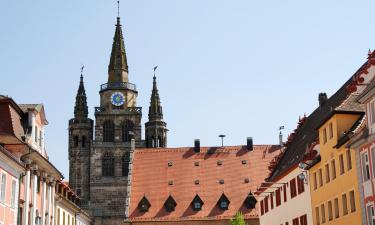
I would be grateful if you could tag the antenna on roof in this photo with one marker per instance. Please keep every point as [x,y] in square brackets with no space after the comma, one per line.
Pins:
[222,136]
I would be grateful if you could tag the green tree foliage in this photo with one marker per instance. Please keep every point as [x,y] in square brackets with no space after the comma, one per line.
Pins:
[238,219]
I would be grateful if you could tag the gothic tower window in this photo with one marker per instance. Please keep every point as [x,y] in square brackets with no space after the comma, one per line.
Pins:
[125,164]
[83,141]
[108,131]
[75,141]
[108,165]
[127,130]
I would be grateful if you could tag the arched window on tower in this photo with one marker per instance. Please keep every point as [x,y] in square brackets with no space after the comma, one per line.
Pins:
[160,141]
[127,130]
[83,141]
[108,131]
[108,165]
[125,164]
[75,140]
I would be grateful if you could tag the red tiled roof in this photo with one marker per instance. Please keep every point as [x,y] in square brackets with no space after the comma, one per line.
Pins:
[163,172]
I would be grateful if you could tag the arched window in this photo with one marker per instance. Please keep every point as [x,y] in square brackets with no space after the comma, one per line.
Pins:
[83,141]
[108,165]
[127,130]
[75,140]
[125,164]
[108,131]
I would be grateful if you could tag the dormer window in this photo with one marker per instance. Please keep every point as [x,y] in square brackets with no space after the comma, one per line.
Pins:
[250,201]
[170,204]
[144,204]
[197,203]
[223,202]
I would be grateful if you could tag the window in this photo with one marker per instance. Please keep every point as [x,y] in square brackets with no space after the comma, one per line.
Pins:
[344,205]
[3,186]
[63,218]
[144,204]
[295,221]
[365,167]
[261,208]
[127,130]
[293,191]
[327,174]
[75,141]
[341,161]
[271,199]
[303,220]
[278,197]
[320,177]
[125,164]
[300,186]
[284,190]
[373,160]
[330,212]
[68,219]
[108,131]
[13,196]
[108,165]
[224,202]
[36,135]
[40,138]
[324,135]
[265,204]
[38,184]
[323,212]
[370,215]
[372,112]
[352,201]
[336,205]
[58,217]
[83,141]
[315,182]
[348,159]
[317,217]
[330,131]
[333,168]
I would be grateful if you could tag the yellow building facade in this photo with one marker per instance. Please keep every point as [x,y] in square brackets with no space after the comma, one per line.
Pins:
[333,179]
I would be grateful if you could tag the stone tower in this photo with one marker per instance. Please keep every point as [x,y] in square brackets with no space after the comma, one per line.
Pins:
[118,120]
[80,140]
[156,128]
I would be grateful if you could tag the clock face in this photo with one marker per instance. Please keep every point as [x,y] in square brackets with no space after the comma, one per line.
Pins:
[117,99]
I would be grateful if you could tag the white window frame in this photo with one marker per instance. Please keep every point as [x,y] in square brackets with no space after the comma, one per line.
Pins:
[3,187]
[13,196]
[368,220]
[365,166]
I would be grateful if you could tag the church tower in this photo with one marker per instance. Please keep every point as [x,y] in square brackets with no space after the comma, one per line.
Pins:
[80,139]
[117,122]
[156,128]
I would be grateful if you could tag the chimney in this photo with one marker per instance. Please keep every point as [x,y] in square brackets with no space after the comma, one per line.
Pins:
[322,99]
[197,145]
[249,144]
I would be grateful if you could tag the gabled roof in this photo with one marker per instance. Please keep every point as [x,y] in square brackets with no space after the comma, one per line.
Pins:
[38,108]
[344,100]
[161,172]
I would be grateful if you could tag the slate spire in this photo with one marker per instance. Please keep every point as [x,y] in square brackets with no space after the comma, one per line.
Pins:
[118,64]
[80,109]
[155,111]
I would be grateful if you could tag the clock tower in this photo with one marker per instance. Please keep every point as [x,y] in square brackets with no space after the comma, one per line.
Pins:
[117,121]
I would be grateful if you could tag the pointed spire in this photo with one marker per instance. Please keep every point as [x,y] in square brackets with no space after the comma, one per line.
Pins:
[118,65]
[80,109]
[155,111]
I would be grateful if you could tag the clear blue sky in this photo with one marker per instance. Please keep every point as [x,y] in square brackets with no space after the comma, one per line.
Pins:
[240,67]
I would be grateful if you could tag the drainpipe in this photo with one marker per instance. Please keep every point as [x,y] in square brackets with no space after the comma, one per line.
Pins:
[19,197]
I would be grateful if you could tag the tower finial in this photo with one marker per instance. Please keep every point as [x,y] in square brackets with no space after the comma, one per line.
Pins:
[82,67]
[155,67]
[118,8]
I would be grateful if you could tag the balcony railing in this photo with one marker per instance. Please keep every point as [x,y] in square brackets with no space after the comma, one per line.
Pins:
[124,110]
[118,85]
